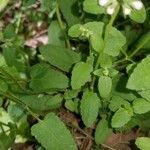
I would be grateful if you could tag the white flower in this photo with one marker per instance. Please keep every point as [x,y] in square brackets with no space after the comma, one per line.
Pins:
[110,10]
[137,4]
[103,2]
[126,10]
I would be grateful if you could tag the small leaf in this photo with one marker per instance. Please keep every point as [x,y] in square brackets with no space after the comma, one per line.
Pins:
[104,86]
[90,105]
[141,106]
[116,102]
[91,6]
[75,31]
[69,94]
[80,75]
[145,94]
[105,60]
[60,57]
[143,143]
[70,105]
[139,80]
[138,16]
[102,132]
[114,41]
[120,118]
[53,134]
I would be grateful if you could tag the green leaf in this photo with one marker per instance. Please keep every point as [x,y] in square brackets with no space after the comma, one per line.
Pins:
[120,118]
[138,16]
[119,88]
[97,42]
[6,141]
[104,86]
[117,102]
[69,10]
[55,34]
[114,41]
[3,86]
[41,102]
[141,106]
[96,27]
[70,105]
[90,105]
[144,41]
[3,4]
[80,75]
[48,5]
[105,60]
[69,94]
[60,57]
[44,78]
[139,80]
[16,112]
[143,143]
[75,31]
[53,134]
[91,6]
[145,94]
[102,132]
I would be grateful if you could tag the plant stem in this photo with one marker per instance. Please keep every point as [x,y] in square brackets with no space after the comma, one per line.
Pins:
[17,100]
[58,14]
[114,16]
[129,58]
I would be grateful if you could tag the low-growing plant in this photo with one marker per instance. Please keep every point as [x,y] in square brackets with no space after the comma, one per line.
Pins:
[95,65]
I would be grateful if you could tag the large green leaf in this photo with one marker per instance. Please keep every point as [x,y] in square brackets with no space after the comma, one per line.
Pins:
[80,74]
[114,41]
[143,143]
[91,6]
[141,106]
[44,78]
[53,134]
[104,86]
[120,118]
[41,102]
[60,57]
[102,132]
[90,105]
[139,80]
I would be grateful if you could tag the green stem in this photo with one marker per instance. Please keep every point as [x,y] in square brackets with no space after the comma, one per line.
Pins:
[114,16]
[138,48]
[129,58]
[58,14]
[12,97]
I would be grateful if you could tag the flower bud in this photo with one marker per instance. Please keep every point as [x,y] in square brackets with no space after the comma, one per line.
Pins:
[110,10]
[137,4]
[103,2]
[126,10]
